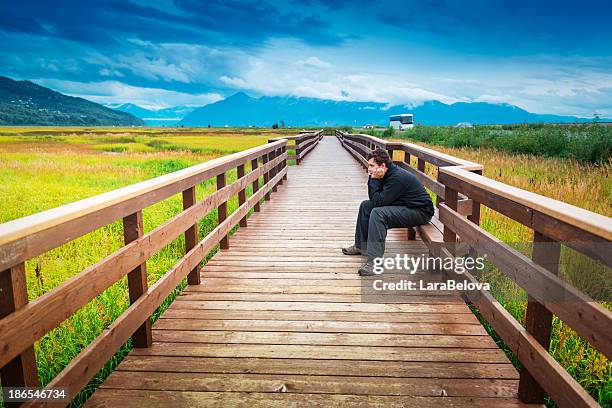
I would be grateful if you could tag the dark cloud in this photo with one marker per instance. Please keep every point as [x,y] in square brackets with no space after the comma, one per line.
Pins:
[211,22]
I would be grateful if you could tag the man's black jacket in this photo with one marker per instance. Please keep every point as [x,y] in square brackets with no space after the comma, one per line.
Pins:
[399,187]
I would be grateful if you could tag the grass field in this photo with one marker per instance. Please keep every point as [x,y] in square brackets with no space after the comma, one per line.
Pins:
[42,168]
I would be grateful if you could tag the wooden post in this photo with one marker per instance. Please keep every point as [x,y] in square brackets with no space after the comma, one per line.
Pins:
[266,176]
[222,210]
[297,152]
[279,166]
[284,161]
[411,230]
[538,320]
[450,238]
[191,235]
[242,195]
[273,169]
[475,216]
[20,371]
[421,165]
[137,278]
[254,165]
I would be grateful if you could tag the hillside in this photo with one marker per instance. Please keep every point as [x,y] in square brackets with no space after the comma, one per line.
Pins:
[23,103]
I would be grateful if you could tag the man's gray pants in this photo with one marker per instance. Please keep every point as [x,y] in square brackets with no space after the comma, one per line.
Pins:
[373,223]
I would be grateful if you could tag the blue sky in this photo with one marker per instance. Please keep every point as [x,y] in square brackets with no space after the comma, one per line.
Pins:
[544,56]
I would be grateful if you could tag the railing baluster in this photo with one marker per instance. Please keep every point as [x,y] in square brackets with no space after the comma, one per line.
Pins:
[285,161]
[254,165]
[411,230]
[266,157]
[273,169]
[421,165]
[297,151]
[450,238]
[538,319]
[242,194]
[191,234]
[137,278]
[222,209]
[20,371]
[279,166]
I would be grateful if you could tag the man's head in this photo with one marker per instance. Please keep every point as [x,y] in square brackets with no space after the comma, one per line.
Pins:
[378,163]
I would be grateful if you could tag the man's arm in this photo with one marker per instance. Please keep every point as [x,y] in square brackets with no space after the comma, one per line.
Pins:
[384,194]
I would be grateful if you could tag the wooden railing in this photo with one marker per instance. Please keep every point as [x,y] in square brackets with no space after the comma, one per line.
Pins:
[22,322]
[302,144]
[554,223]
[361,145]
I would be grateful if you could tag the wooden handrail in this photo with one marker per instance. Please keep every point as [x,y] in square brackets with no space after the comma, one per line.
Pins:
[23,323]
[360,145]
[304,143]
[554,223]
[588,221]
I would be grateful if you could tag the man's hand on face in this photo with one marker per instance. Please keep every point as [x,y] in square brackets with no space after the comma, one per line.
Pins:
[379,172]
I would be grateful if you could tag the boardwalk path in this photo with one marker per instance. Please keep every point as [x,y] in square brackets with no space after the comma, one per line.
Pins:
[278,320]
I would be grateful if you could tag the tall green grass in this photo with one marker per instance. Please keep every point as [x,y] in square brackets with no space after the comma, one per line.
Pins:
[47,172]
[588,143]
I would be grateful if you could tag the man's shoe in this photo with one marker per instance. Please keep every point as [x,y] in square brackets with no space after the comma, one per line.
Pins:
[367,269]
[352,250]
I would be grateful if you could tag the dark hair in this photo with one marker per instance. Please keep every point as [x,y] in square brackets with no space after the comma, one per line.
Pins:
[380,156]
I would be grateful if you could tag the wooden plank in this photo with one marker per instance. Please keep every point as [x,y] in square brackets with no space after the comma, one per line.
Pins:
[178,335]
[323,352]
[138,398]
[364,368]
[311,384]
[317,326]
[306,315]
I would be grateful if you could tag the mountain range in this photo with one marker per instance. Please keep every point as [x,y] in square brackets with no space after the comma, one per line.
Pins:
[241,109]
[23,103]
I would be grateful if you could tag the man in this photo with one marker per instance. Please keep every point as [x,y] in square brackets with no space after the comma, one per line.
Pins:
[397,200]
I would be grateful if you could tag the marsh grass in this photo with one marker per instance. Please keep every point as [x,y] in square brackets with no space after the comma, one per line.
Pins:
[586,143]
[38,172]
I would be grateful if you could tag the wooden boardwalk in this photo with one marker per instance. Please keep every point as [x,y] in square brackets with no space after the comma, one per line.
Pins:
[278,319]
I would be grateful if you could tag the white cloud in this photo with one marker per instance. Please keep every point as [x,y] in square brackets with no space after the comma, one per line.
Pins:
[233,82]
[314,62]
[114,92]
